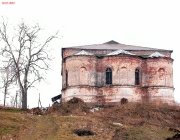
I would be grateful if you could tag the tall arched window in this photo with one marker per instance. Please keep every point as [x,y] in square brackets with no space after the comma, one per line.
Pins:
[108,76]
[66,78]
[161,73]
[137,77]
[161,76]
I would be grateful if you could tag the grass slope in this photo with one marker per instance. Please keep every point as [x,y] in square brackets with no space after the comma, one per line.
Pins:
[123,122]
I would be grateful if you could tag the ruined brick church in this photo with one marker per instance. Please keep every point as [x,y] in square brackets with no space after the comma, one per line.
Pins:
[104,74]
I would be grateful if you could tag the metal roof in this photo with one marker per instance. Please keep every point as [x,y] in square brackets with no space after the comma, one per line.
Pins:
[120,52]
[156,54]
[113,45]
[83,53]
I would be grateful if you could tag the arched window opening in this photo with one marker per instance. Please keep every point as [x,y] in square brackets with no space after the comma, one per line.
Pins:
[108,76]
[66,78]
[161,77]
[161,72]
[137,77]
[83,76]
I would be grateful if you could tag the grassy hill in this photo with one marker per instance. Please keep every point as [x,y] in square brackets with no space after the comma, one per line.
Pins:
[68,121]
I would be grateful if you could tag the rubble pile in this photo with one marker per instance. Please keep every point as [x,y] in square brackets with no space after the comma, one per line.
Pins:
[73,106]
[37,111]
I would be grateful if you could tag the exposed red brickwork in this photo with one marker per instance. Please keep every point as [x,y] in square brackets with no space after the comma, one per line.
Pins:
[87,76]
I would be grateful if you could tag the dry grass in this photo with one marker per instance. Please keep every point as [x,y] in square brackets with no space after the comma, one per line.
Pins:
[138,114]
[10,123]
[139,121]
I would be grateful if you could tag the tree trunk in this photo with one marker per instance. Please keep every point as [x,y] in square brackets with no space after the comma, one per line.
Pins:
[5,92]
[4,100]
[24,99]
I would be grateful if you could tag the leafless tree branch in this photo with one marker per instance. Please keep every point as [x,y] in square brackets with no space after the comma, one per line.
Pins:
[26,57]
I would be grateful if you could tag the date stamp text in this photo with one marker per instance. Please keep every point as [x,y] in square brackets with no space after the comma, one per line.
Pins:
[8,3]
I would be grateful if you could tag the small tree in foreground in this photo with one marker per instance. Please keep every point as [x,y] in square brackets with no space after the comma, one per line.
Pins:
[25,55]
[5,82]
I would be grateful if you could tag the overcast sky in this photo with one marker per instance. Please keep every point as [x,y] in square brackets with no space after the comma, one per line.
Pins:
[150,23]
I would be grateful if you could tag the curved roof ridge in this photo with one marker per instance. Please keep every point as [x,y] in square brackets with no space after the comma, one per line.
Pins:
[156,54]
[120,52]
[83,52]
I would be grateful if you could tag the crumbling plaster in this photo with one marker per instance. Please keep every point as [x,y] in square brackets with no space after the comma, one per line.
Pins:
[87,75]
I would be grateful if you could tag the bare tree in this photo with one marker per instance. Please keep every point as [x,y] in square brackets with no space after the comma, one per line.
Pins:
[5,81]
[26,56]
[12,100]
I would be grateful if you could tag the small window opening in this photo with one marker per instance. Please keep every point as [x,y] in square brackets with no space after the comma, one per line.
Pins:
[66,78]
[108,76]
[137,77]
